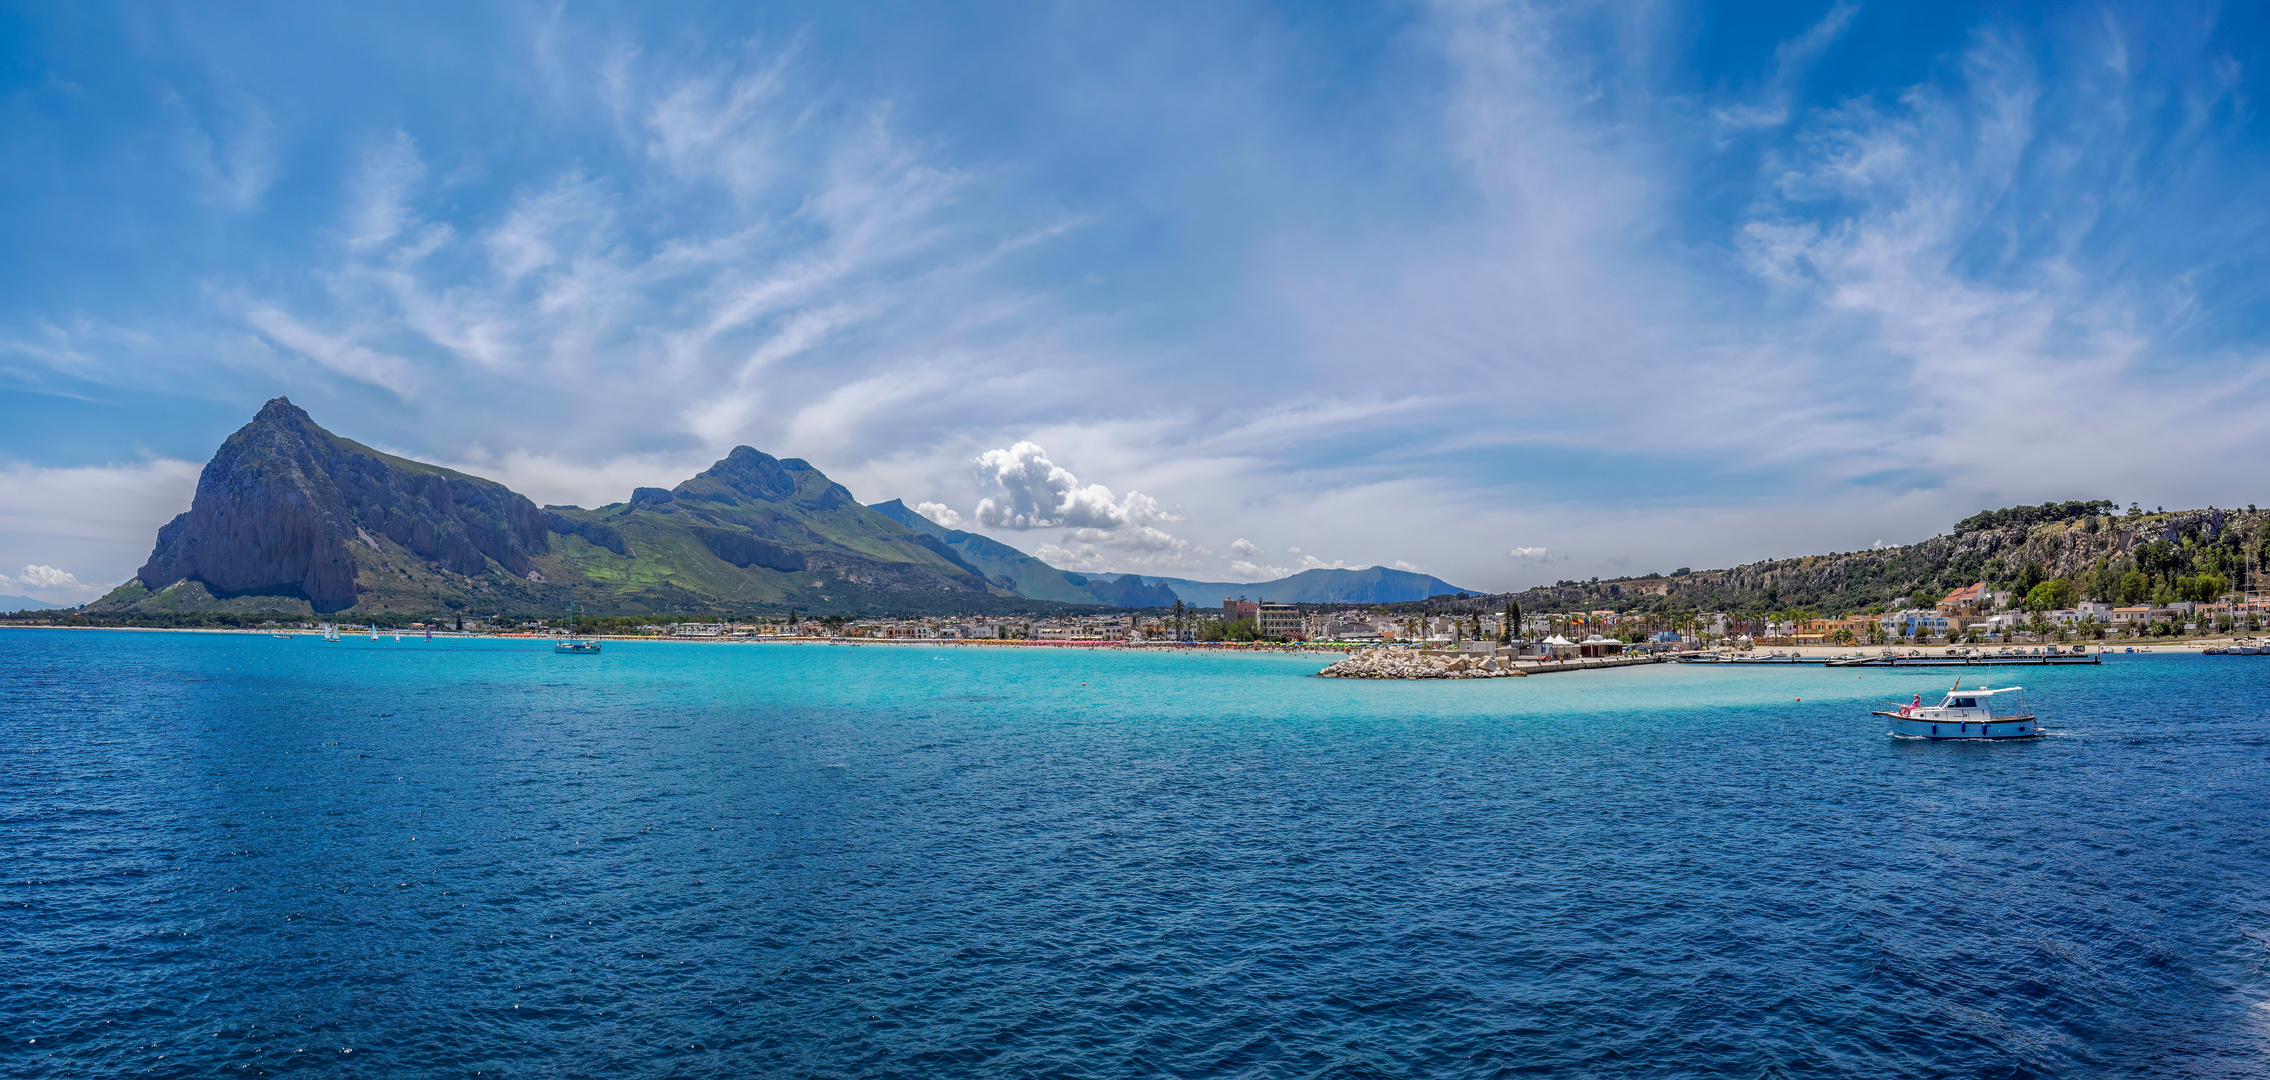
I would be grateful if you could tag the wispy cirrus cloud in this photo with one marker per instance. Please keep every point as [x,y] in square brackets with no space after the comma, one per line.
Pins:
[1512,271]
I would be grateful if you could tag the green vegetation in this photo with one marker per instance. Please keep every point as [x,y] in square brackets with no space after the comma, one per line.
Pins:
[2049,596]
[2053,563]
[2029,516]
[1219,630]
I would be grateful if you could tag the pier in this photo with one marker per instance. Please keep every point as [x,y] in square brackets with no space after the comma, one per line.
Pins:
[1968,661]
[2055,659]
[1549,667]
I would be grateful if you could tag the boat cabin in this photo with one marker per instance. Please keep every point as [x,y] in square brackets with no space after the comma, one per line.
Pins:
[1968,714]
[1981,703]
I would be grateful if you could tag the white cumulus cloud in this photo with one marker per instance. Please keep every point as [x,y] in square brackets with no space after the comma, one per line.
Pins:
[1538,555]
[42,577]
[941,513]
[1244,549]
[48,579]
[1036,493]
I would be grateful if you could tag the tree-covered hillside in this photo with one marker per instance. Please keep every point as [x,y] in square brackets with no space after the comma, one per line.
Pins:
[2052,555]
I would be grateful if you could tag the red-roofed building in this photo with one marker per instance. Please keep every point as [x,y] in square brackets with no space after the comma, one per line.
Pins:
[1968,602]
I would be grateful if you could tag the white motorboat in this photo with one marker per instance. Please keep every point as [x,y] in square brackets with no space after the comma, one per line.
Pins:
[1967,714]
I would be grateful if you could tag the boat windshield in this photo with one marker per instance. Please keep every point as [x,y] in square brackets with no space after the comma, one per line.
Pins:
[2009,702]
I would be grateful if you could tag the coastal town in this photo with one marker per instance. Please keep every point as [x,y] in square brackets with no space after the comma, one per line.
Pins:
[1973,615]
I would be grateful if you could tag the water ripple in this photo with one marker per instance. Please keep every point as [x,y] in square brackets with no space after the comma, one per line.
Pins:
[236,855]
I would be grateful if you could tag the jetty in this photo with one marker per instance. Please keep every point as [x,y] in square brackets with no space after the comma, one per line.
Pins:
[1394,662]
[1967,661]
[1401,663]
[2053,657]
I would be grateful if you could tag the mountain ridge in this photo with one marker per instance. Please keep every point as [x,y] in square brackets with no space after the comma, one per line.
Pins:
[290,519]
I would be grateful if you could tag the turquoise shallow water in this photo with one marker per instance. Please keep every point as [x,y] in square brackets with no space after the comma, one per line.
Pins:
[233,855]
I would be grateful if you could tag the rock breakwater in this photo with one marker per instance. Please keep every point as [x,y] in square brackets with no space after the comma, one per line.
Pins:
[1399,663]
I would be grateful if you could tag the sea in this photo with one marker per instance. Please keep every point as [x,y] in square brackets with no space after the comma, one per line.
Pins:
[238,855]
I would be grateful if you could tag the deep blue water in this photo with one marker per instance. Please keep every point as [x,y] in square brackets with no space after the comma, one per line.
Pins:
[234,855]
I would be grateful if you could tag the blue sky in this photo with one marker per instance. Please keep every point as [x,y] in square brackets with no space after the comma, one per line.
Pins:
[1506,292]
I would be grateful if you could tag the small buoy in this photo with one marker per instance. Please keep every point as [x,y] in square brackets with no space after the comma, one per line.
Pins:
[1800,699]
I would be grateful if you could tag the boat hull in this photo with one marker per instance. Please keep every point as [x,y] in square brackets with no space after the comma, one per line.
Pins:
[1997,728]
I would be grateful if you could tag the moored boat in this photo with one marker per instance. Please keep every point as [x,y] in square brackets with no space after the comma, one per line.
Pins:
[1967,714]
[573,645]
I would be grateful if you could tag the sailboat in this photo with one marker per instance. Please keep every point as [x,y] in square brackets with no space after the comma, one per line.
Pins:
[330,631]
[572,644]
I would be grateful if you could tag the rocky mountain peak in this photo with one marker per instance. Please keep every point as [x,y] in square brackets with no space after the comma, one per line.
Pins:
[280,410]
[287,508]
[751,474]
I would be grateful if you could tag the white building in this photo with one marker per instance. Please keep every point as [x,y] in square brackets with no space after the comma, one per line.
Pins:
[1903,623]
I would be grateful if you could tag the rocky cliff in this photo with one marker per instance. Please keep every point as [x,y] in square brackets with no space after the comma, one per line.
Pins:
[289,509]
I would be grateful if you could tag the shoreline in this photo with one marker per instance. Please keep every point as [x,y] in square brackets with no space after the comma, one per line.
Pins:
[2095,647]
[2116,647]
[453,635]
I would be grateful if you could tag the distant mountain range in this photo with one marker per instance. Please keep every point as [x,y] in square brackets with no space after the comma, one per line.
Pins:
[1377,585]
[1032,577]
[12,602]
[292,520]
